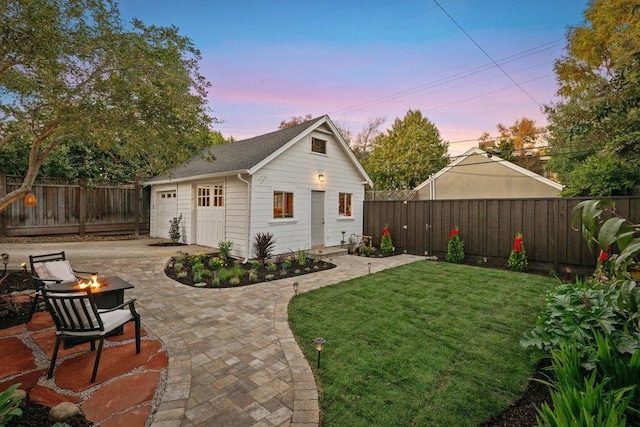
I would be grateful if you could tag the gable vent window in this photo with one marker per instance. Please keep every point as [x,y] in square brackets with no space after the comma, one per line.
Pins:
[318,146]
[282,204]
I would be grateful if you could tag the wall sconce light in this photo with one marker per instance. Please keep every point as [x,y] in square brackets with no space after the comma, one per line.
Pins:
[319,342]
[321,177]
[30,200]
[295,288]
[369,265]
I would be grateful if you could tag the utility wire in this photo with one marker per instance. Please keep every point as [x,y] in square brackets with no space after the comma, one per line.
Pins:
[487,54]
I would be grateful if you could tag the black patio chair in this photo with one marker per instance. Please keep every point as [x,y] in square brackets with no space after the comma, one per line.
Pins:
[76,316]
[48,269]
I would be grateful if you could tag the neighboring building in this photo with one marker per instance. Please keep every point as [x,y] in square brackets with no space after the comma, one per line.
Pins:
[302,184]
[479,175]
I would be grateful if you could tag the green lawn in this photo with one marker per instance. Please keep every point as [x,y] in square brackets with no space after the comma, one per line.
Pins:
[423,344]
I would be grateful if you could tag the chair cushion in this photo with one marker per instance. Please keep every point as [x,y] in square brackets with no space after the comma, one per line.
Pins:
[113,319]
[55,270]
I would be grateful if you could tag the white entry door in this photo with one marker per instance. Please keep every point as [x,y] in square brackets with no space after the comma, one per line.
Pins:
[209,214]
[317,218]
[166,208]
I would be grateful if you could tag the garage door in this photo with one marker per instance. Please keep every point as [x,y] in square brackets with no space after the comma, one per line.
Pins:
[166,208]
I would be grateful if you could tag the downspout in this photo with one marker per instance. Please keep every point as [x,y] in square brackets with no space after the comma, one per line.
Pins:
[246,225]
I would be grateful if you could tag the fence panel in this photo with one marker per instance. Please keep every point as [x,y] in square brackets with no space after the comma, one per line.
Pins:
[75,208]
[488,227]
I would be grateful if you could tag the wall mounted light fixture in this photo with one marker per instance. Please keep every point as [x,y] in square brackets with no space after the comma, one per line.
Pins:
[321,177]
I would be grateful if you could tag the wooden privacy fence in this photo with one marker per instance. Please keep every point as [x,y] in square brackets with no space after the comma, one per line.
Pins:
[75,208]
[488,227]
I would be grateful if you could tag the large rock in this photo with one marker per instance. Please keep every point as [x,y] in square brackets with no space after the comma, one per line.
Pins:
[63,411]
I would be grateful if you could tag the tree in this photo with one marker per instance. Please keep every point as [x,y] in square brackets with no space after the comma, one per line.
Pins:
[361,145]
[294,121]
[406,154]
[514,139]
[72,74]
[608,39]
[594,136]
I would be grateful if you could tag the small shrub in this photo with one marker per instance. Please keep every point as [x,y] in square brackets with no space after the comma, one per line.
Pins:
[302,256]
[174,229]
[455,247]
[307,269]
[297,271]
[254,265]
[368,250]
[315,267]
[283,273]
[263,246]
[286,264]
[182,274]
[234,281]
[253,276]
[178,266]
[269,277]
[386,244]
[216,263]
[225,249]
[215,281]
[225,274]
[272,267]
[10,400]
[518,255]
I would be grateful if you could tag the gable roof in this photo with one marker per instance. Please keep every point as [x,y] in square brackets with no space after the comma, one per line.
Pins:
[249,155]
[477,151]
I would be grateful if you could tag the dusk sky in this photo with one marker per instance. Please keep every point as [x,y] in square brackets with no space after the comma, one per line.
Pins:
[355,60]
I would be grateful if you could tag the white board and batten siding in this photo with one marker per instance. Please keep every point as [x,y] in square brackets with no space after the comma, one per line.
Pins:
[296,170]
[236,211]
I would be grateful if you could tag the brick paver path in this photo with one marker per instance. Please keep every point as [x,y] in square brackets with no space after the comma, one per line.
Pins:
[233,361]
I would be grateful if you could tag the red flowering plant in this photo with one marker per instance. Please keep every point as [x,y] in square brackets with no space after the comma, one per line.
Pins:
[518,257]
[386,244]
[455,247]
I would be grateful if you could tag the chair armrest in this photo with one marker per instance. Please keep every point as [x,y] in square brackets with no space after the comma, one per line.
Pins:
[85,272]
[119,306]
[45,279]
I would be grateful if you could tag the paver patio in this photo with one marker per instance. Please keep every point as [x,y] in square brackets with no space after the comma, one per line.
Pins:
[232,357]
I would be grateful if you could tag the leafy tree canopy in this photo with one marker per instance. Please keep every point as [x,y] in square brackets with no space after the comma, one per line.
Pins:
[407,154]
[294,121]
[595,136]
[607,39]
[74,77]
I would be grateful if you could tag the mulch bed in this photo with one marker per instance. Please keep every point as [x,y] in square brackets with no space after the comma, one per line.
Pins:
[181,269]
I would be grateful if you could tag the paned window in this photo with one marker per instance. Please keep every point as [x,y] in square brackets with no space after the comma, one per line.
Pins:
[218,196]
[344,204]
[318,146]
[204,196]
[282,204]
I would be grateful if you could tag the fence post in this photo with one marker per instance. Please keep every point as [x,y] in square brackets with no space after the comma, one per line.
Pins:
[137,201]
[3,216]
[82,207]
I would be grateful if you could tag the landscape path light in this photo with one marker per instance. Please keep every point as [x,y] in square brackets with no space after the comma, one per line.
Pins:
[319,342]
[295,288]
[369,265]
[5,261]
